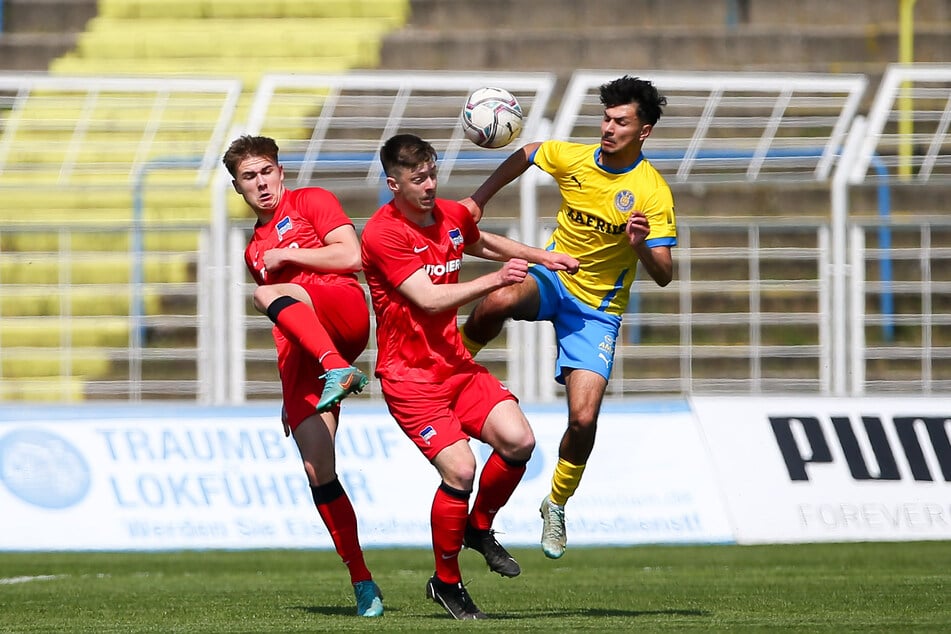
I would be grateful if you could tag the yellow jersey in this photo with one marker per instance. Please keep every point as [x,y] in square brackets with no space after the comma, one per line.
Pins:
[595,205]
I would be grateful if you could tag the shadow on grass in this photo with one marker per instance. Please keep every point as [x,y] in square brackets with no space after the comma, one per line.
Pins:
[335,610]
[599,613]
[328,610]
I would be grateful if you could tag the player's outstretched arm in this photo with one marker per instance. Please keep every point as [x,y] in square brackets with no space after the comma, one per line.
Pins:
[436,298]
[507,171]
[492,246]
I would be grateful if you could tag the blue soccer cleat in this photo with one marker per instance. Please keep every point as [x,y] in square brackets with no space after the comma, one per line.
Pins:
[369,598]
[339,384]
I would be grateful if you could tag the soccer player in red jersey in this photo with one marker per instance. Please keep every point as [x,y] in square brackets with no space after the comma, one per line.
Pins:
[412,253]
[304,255]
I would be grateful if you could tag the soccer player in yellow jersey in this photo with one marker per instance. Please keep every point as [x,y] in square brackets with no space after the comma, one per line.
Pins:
[616,211]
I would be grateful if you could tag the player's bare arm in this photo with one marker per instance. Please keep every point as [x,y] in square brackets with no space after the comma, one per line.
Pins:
[492,246]
[510,169]
[657,261]
[436,298]
[340,254]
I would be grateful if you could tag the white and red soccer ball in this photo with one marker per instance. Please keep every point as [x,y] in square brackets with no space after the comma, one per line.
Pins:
[492,117]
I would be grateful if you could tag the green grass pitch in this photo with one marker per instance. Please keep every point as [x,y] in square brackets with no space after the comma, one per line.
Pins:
[884,587]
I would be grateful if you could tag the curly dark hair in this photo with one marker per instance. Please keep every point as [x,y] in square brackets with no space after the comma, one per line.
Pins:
[627,89]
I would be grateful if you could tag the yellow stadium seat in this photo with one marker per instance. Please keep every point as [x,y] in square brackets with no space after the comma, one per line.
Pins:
[60,389]
[53,363]
[76,301]
[104,268]
[94,183]
[52,332]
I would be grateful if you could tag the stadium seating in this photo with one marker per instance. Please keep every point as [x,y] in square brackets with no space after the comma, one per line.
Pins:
[246,38]
[57,181]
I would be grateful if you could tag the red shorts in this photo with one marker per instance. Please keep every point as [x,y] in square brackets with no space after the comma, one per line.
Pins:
[342,309]
[435,415]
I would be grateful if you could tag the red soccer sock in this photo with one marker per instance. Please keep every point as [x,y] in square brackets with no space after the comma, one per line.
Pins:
[448,520]
[496,485]
[300,324]
[341,522]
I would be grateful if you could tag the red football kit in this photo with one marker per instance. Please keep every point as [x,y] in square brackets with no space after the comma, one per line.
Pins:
[302,219]
[432,386]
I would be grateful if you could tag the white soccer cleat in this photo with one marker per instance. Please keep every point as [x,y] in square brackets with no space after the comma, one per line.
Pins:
[554,536]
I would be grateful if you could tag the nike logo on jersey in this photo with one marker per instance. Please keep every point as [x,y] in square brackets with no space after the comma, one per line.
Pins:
[420,249]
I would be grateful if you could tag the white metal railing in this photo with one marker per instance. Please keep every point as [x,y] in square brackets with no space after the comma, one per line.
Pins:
[870,295]
[66,131]
[748,312]
[736,126]
[69,325]
[909,125]
[334,124]
[908,347]
[739,127]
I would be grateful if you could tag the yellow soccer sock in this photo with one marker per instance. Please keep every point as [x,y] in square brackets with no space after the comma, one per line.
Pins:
[565,481]
[472,346]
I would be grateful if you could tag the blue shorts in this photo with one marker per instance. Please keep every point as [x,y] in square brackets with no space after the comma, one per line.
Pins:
[585,335]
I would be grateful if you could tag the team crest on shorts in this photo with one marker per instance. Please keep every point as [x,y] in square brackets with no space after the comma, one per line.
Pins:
[624,200]
[427,433]
[456,236]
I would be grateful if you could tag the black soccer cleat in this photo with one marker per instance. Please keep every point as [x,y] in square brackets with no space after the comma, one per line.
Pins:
[454,598]
[498,559]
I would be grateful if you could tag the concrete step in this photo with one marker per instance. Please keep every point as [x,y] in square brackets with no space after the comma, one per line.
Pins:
[47,16]
[33,51]
[816,49]
[639,15]
[189,9]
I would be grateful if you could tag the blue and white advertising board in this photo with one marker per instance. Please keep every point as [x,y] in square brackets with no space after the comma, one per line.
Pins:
[183,477]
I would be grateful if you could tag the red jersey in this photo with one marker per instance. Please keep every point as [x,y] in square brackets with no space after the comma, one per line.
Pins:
[302,219]
[413,345]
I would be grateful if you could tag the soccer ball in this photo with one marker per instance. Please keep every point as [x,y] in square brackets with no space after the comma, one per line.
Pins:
[491,117]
